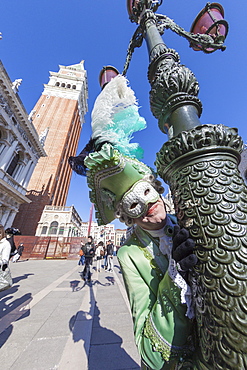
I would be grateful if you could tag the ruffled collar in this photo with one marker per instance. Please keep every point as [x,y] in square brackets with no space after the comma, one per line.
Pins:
[165,236]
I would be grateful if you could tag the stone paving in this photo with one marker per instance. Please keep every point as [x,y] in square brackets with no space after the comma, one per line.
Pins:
[52,319]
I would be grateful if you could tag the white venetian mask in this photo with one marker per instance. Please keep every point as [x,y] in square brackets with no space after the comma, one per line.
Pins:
[135,202]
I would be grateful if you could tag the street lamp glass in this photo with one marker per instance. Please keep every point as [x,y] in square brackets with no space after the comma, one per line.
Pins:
[210,21]
[106,74]
[130,4]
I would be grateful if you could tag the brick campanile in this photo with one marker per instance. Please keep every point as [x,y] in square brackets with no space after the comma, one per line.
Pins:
[58,117]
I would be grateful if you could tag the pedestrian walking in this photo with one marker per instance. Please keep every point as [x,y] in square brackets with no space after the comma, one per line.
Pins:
[17,255]
[109,252]
[89,252]
[6,245]
[105,259]
[99,253]
[82,256]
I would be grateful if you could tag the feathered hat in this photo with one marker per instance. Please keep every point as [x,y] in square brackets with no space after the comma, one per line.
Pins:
[110,162]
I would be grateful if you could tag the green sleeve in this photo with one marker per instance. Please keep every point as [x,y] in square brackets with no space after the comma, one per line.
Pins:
[161,328]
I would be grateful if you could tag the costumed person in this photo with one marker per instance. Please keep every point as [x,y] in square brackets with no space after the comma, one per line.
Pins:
[89,252]
[155,259]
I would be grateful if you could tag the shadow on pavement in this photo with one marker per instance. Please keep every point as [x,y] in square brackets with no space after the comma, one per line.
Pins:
[105,352]
[110,279]
[74,285]
[19,278]
[10,310]
[117,268]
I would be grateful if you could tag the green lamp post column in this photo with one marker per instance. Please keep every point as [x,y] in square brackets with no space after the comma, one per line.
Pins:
[200,164]
[173,97]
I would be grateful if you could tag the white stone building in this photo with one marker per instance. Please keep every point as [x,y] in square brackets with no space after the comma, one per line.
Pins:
[20,149]
[120,236]
[60,221]
[105,233]
[64,221]
[99,233]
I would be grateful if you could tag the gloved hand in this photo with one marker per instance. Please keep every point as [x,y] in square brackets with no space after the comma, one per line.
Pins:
[182,251]
[3,265]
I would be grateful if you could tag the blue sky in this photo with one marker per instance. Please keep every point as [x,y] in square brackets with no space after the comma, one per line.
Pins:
[38,36]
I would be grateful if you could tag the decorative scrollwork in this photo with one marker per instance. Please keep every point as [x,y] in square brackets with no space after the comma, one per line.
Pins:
[204,40]
[173,85]
[146,10]
[139,6]
[135,42]
[201,137]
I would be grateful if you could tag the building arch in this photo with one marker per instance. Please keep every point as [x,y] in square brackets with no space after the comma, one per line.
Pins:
[16,163]
[13,164]
[53,228]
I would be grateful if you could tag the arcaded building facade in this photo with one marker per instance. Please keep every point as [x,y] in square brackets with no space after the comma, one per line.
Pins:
[20,149]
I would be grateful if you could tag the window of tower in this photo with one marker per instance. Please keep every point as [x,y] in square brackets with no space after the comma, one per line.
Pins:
[68,86]
[57,84]
[74,87]
[53,228]
[63,84]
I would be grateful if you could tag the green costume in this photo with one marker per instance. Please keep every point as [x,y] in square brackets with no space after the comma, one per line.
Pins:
[162,329]
[122,186]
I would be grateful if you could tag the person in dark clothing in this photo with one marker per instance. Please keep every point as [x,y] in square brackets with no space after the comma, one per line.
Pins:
[109,252]
[82,257]
[10,232]
[19,253]
[89,252]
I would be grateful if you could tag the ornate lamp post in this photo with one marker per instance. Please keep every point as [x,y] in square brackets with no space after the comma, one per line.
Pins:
[200,164]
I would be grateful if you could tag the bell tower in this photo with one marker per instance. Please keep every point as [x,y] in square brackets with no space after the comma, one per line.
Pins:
[58,117]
